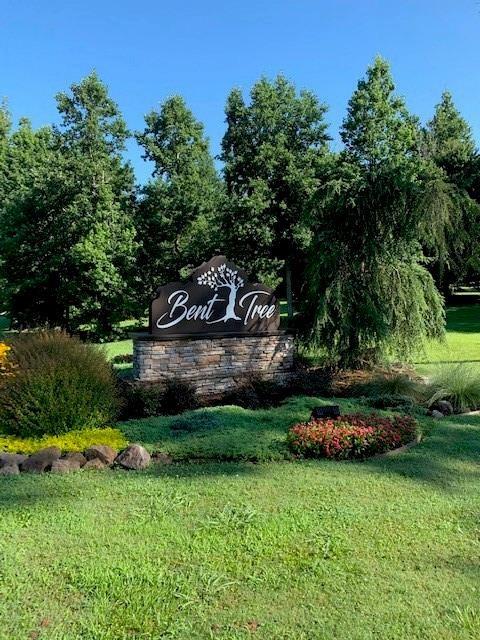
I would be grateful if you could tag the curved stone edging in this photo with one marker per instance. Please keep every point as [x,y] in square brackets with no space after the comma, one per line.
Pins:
[398,450]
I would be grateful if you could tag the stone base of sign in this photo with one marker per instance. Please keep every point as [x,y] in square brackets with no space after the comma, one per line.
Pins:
[213,365]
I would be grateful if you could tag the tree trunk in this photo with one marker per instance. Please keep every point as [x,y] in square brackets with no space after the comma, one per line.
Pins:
[288,282]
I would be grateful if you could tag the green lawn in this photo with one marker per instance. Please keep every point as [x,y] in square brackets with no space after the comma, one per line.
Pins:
[385,549]
[462,343]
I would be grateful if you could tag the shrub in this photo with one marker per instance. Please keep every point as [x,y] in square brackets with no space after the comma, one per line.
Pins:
[391,401]
[72,441]
[350,436]
[459,384]
[57,384]
[145,401]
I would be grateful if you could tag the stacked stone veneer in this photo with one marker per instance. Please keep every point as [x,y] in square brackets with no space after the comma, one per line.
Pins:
[213,365]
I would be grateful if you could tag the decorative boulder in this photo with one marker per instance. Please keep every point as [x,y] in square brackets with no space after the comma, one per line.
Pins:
[134,457]
[444,407]
[42,460]
[162,458]
[8,459]
[77,456]
[65,465]
[94,463]
[437,414]
[101,451]
[9,470]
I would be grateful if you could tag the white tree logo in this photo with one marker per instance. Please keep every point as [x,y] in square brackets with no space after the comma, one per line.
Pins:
[223,278]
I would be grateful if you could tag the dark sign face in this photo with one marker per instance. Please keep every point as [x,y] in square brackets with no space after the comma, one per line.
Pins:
[216,299]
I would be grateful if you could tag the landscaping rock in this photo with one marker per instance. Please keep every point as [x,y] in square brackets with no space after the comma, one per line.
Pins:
[8,459]
[134,457]
[94,463]
[65,465]
[162,458]
[9,470]
[76,455]
[41,461]
[102,452]
[437,414]
[444,407]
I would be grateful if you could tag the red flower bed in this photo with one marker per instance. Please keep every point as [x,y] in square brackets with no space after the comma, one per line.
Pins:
[355,435]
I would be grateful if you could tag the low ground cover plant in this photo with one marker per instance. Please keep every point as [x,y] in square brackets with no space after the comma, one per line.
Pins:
[351,436]
[54,384]
[72,441]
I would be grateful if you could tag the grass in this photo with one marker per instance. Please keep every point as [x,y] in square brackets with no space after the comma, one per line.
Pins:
[227,433]
[462,342]
[386,549]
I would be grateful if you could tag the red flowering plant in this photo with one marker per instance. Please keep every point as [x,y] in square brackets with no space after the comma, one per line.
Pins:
[353,435]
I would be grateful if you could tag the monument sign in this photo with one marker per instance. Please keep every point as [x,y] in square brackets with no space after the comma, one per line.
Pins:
[216,299]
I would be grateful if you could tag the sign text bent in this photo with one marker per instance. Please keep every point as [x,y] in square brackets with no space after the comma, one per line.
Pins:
[216,299]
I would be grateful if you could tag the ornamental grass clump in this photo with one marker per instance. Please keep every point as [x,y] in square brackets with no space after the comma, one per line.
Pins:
[55,384]
[457,383]
[351,436]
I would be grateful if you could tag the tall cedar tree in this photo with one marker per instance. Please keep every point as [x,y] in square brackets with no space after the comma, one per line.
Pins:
[273,150]
[369,293]
[69,243]
[450,144]
[178,216]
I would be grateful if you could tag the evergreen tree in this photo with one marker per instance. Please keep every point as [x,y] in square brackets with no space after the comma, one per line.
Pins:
[449,143]
[178,217]
[274,150]
[369,293]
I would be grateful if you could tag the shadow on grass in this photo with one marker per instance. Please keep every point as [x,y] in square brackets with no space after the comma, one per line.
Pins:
[447,457]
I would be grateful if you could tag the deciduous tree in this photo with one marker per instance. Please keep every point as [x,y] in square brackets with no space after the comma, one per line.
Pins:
[274,150]
[178,217]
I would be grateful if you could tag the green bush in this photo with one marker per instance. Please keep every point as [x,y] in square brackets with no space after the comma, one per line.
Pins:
[391,401]
[145,401]
[459,384]
[55,384]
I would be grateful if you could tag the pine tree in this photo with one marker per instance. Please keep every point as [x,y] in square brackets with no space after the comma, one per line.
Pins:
[369,292]
[449,144]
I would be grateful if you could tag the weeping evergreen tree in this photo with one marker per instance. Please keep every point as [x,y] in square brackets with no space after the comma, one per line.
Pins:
[449,144]
[369,293]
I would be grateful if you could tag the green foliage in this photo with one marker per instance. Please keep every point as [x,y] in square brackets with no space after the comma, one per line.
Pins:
[71,441]
[450,145]
[178,215]
[226,432]
[274,150]
[393,401]
[55,384]
[368,292]
[458,383]
[67,240]
[143,401]
[391,383]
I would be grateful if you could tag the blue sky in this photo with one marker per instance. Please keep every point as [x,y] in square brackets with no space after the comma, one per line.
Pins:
[149,49]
